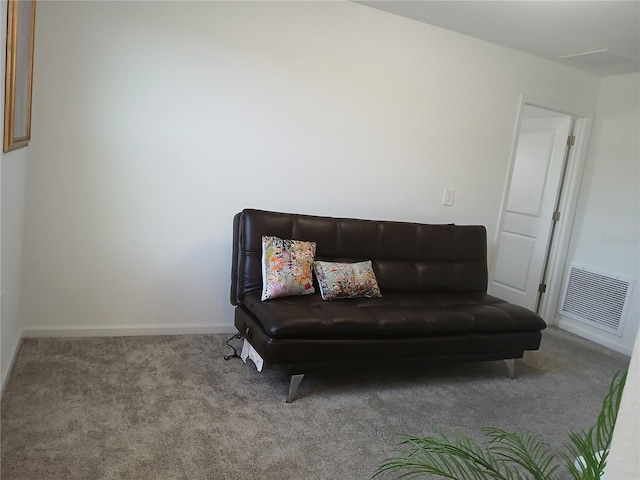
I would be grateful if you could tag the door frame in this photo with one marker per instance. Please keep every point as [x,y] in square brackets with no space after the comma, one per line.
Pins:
[568,200]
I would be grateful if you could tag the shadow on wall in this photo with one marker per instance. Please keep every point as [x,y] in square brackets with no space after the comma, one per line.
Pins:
[194,292]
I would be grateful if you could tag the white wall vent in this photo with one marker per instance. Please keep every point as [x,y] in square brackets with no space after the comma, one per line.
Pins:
[596,298]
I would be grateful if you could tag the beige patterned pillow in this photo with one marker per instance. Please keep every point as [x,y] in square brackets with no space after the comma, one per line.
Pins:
[346,280]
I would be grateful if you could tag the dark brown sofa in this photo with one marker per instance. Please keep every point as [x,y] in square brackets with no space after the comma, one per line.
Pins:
[434,304]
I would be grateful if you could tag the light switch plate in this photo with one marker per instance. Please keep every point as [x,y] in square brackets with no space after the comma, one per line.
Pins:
[448,196]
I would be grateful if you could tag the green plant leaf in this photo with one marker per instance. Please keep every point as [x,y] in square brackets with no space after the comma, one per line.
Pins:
[592,445]
[459,458]
[506,455]
[526,450]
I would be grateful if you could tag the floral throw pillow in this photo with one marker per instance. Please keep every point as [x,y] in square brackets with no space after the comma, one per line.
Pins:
[286,267]
[346,280]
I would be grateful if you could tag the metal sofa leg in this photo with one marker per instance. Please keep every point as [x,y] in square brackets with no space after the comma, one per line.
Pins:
[511,365]
[293,386]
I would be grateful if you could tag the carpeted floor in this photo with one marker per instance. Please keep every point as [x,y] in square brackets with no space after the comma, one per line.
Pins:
[169,407]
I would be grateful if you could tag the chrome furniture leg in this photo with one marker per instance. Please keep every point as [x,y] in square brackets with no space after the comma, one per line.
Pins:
[511,365]
[293,386]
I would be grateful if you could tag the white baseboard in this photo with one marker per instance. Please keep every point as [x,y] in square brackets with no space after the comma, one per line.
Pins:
[6,368]
[125,330]
[584,331]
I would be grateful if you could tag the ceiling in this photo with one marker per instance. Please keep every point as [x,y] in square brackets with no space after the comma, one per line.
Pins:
[598,36]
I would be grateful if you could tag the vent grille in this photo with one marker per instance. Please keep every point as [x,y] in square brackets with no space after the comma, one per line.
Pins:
[596,298]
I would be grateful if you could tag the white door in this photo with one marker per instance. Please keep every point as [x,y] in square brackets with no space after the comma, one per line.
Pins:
[525,232]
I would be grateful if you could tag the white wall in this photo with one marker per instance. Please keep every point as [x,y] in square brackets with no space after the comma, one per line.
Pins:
[155,122]
[606,233]
[13,180]
[624,462]
[12,175]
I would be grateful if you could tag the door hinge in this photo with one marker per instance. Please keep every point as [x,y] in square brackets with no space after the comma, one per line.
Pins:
[556,216]
[571,140]
[542,288]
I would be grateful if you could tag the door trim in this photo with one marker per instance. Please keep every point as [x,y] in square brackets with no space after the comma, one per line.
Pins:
[568,201]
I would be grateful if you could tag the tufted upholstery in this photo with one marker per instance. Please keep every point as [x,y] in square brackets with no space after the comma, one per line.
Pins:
[395,315]
[406,257]
[434,303]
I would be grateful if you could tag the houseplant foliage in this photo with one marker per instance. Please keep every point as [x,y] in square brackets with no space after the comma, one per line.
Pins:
[510,456]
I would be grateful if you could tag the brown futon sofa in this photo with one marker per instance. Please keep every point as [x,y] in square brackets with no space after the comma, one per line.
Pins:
[434,305]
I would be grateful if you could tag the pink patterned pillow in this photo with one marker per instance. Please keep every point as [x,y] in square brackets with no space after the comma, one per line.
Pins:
[286,267]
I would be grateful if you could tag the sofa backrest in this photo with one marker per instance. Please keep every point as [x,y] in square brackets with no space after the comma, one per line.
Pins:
[408,257]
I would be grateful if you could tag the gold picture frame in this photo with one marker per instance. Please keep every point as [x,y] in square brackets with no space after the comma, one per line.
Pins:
[21,18]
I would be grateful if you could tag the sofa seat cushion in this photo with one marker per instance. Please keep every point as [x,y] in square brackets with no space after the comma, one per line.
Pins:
[397,315]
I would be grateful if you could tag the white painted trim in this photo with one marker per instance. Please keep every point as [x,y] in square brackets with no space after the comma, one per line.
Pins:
[568,202]
[6,368]
[568,206]
[125,330]
[578,328]
[555,106]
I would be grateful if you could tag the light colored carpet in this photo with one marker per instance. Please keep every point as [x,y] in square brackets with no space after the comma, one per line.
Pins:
[170,407]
